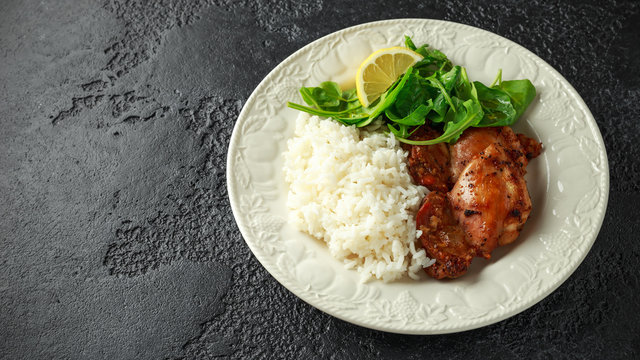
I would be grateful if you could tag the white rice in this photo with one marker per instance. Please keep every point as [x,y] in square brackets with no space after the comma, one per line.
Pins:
[351,188]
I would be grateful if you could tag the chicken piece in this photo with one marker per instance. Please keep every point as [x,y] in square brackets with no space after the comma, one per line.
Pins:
[475,140]
[532,148]
[430,165]
[488,203]
[490,200]
[442,238]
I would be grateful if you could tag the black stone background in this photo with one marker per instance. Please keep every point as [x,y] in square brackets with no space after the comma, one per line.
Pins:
[116,236]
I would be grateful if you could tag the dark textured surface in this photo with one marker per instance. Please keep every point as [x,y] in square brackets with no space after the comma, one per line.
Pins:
[116,235]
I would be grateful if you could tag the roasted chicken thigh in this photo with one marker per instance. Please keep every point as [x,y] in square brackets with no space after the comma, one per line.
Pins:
[485,202]
[443,238]
[490,199]
[430,165]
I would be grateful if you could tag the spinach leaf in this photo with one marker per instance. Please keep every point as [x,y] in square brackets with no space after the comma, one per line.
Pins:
[504,101]
[497,107]
[332,90]
[417,117]
[327,96]
[414,93]
[319,97]
[350,95]
[309,97]
[440,107]
[328,100]
[521,93]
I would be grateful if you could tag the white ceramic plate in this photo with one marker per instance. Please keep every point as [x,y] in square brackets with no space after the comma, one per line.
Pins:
[569,186]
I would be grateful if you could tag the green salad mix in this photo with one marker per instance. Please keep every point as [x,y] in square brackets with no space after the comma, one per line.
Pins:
[432,89]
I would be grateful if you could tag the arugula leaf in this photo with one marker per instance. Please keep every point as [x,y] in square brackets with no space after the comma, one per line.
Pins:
[467,115]
[443,91]
[498,79]
[318,112]
[352,120]
[432,61]
[409,43]
[450,78]
[417,117]
[402,132]
[457,85]
[465,89]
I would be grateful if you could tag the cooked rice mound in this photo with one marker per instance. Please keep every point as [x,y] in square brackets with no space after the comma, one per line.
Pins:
[351,188]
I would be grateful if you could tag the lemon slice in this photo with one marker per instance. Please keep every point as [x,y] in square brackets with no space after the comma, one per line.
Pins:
[380,70]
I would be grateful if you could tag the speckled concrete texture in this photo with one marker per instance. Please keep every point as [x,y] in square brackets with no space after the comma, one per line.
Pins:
[116,234]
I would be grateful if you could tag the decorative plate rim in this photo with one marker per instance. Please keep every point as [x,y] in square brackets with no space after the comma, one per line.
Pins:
[319,300]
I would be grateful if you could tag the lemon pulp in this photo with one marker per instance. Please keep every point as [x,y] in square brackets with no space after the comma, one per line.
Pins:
[378,71]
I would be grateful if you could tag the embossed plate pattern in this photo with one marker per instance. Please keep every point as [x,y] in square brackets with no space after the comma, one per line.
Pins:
[569,185]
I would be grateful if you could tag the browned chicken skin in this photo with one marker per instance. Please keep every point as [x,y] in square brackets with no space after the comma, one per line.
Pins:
[474,140]
[488,202]
[490,199]
[530,147]
[430,166]
[443,238]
